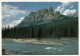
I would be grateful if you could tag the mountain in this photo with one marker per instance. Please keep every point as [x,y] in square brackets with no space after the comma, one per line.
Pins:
[44,23]
[44,17]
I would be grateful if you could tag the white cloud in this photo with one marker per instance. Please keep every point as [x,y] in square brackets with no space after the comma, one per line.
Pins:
[72,6]
[64,5]
[62,9]
[14,23]
[69,12]
[9,11]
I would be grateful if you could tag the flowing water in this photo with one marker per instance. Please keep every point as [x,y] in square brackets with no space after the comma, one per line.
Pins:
[70,47]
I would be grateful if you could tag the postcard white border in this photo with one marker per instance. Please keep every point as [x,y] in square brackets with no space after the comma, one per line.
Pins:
[35,1]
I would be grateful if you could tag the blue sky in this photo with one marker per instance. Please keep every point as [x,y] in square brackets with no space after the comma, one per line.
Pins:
[14,12]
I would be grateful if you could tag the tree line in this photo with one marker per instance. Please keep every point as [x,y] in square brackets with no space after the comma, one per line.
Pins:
[65,29]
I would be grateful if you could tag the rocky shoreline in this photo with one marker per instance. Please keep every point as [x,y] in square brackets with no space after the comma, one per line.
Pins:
[34,41]
[5,52]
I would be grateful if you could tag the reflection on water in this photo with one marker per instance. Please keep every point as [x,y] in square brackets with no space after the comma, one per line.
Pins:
[71,47]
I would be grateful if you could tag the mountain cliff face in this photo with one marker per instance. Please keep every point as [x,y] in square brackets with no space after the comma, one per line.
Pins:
[44,23]
[43,17]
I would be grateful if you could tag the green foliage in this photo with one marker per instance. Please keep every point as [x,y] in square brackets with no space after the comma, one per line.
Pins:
[68,28]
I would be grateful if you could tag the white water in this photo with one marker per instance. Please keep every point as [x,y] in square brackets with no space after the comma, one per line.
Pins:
[71,47]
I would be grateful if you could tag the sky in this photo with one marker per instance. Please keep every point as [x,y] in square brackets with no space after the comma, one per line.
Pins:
[14,12]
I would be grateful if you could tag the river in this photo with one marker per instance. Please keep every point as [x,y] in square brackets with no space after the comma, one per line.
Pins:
[70,47]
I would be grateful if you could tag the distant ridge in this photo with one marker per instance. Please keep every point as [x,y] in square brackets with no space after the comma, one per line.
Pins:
[44,17]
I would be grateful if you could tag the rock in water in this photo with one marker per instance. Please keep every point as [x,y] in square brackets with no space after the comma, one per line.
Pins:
[3,51]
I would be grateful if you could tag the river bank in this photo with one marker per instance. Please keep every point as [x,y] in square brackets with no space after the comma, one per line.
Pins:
[22,47]
[34,41]
[4,52]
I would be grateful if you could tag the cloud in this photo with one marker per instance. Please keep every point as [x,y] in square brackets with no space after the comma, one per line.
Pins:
[60,9]
[66,4]
[14,23]
[9,11]
[69,12]
[72,6]
[63,6]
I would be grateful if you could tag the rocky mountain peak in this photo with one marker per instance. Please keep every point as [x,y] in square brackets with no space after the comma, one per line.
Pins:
[50,9]
[57,13]
[41,16]
[44,11]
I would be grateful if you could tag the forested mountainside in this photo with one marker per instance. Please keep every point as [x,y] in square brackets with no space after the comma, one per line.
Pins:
[44,23]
